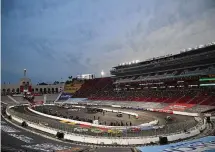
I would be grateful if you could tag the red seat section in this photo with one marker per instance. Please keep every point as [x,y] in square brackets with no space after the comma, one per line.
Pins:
[105,89]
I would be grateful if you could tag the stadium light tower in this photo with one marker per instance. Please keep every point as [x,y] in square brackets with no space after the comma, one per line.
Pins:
[102,73]
[25,72]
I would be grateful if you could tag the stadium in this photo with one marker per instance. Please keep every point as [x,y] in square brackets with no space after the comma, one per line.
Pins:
[144,105]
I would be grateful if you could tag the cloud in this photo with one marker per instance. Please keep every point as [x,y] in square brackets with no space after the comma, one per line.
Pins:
[54,39]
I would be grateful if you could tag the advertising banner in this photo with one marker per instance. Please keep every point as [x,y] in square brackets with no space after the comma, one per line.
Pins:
[163,110]
[114,131]
[72,88]
[178,106]
[206,144]
[96,130]
[65,96]
[80,129]
[134,129]
[37,94]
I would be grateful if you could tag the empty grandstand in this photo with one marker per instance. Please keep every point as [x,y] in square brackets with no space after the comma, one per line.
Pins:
[185,79]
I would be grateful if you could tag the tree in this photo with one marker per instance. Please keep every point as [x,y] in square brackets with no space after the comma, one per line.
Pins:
[43,83]
[68,82]
[56,82]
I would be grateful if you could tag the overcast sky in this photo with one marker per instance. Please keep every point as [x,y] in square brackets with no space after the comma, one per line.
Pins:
[53,39]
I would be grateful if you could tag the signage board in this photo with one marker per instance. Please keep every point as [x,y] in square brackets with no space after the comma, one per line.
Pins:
[65,96]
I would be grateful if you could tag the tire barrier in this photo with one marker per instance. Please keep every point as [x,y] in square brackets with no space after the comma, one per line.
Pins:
[9,117]
[208,119]
[4,112]
[60,135]
[24,124]
[163,140]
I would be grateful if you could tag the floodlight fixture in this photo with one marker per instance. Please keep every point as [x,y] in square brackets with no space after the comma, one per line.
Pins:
[102,73]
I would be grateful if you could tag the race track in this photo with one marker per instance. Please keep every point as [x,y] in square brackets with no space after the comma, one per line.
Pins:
[179,122]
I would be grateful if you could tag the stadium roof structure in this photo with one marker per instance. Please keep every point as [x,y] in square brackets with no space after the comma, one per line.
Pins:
[184,52]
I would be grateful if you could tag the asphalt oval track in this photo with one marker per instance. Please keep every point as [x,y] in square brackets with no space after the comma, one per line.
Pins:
[179,124]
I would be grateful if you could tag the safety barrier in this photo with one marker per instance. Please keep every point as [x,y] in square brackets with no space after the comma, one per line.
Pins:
[30,124]
[183,135]
[148,109]
[186,113]
[125,112]
[85,138]
[208,114]
[162,110]
[175,112]
[152,109]
[116,106]
[212,118]
[95,125]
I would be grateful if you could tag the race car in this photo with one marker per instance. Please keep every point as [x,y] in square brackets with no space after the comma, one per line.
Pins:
[168,118]
[119,114]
